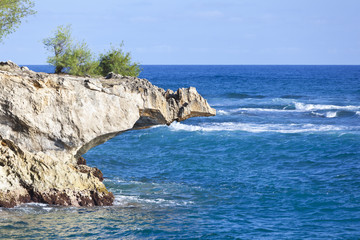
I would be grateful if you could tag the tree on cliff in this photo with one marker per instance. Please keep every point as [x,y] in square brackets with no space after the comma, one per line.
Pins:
[73,59]
[59,44]
[77,59]
[117,61]
[11,14]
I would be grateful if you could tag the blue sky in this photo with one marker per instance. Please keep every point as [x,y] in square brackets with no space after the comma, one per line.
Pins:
[199,31]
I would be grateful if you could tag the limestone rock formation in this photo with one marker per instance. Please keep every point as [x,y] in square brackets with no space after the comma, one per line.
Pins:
[48,121]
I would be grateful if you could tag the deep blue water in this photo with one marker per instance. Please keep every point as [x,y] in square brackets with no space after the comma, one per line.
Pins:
[281,160]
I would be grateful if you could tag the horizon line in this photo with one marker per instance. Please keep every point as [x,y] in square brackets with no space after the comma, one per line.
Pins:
[220,64]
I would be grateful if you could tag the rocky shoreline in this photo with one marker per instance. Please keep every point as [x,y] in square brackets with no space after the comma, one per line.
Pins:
[49,121]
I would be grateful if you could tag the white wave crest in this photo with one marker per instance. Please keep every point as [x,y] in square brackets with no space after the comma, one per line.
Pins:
[34,208]
[243,110]
[261,110]
[331,114]
[135,201]
[318,114]
[260,128]
[299,107]
[223,112]
[315,107]
[35,204]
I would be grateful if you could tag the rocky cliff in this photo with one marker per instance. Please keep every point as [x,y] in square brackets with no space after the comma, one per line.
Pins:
[48,121]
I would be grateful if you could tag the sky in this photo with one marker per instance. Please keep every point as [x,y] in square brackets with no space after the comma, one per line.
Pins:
[198,31]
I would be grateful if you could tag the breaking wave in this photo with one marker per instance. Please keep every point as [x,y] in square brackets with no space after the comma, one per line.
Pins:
[319,110]
[260,128]
[315,107]
[334,114]
[136,201]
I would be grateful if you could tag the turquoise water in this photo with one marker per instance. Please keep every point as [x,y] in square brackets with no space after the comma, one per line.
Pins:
[279,161]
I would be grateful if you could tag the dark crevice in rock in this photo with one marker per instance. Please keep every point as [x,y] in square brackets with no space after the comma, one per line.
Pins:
[95,142]
[81,161]
[11,200]
[97,173]
[102,199]
[91,170]
[11,120]
[149,118]
[56,197]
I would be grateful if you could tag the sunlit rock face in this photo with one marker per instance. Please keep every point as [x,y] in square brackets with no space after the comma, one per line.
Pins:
[48,121]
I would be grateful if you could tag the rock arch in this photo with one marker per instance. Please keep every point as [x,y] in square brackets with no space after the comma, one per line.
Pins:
[48,121]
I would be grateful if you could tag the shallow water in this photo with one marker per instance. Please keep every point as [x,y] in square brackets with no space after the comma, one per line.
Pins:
[279,161]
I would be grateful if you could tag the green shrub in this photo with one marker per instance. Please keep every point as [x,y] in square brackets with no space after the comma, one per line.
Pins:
[59,45]
[77,59]
[69,58]
[117,61]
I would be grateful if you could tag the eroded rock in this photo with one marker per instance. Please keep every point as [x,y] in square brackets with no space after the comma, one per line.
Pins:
[48,121]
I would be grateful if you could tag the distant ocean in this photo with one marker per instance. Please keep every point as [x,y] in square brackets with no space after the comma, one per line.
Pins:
[281,160]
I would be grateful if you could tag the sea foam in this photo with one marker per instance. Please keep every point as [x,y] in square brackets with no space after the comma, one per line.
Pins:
[330,114]
[260,128]
[297,107]
[315,107]
[136,201]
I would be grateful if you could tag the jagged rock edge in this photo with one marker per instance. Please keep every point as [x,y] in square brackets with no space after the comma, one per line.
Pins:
[155,106]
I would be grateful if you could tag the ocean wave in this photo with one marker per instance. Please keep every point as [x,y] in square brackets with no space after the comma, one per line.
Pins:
[334,114]
[126,182]
[35,204]
[283,109]
[260,128]
[223,112]
[316,107]
[279,109]
[332,111]
[35,208]
[136,201]
[331,114]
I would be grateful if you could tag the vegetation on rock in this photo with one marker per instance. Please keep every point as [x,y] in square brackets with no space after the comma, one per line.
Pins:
[117,61]
[11,14]
[77,59]
[50,121]
[59,44]
[67,57]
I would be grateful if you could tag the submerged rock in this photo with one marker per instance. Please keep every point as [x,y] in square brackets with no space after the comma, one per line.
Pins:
[49,121]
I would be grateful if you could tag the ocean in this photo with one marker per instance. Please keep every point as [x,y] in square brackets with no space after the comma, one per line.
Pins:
[281,160]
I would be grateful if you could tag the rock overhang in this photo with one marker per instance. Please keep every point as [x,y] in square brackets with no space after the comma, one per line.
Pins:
[48,121]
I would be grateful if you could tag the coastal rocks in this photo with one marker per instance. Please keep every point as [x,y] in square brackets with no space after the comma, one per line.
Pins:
[48,121]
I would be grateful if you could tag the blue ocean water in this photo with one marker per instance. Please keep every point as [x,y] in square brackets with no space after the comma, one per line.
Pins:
[281,160]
